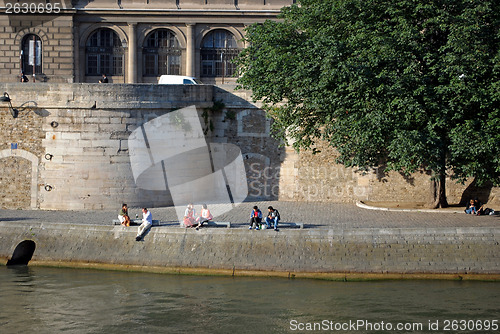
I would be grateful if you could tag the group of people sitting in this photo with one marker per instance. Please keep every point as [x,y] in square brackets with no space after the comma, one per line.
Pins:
[191,221]
[147,220]
[273,217]
[475,207]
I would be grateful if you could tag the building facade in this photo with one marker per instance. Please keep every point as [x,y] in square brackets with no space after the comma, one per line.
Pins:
[131,41]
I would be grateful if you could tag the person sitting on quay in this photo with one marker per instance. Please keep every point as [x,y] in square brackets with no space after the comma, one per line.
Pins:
[189,220]
[273,216]
[206,216]
[471,207]
[147,222]
[123,216]
[255,218]
[481,210]
[479,207]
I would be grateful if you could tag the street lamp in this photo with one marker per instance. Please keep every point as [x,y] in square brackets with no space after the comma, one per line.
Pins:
[6,98]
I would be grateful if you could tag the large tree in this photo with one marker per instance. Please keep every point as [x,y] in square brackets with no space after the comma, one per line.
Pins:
[410,84]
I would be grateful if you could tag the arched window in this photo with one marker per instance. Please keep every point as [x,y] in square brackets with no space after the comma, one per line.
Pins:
[161,53]
[32,54]
[104,53]
[218,49]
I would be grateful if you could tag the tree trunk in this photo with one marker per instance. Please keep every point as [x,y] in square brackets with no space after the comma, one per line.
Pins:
[439,192]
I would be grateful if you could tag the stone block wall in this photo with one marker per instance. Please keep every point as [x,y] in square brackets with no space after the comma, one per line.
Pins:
[242,123]
[428,251]
[309,177]
[78,134]
[20,153]
[15,181]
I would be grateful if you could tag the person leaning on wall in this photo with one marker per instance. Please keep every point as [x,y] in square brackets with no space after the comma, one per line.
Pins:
[104,79]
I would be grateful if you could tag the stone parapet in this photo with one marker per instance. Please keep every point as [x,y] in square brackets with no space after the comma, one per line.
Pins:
[405,251]
[108,96]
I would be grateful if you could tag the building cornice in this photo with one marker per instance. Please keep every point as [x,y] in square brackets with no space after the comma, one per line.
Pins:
[176,11]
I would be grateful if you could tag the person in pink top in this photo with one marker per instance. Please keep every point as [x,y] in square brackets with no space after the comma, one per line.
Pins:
[189,220]
[205,216]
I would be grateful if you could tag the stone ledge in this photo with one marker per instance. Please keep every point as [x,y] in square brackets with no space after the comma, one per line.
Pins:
[110,96]
[297,251]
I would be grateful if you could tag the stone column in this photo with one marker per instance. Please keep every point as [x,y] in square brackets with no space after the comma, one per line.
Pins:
[190,51]
[132,53]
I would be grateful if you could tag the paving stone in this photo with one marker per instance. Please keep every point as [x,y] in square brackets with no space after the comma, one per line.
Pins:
[337,216]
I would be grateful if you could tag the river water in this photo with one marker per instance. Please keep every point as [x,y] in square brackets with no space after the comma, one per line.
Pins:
[52,300]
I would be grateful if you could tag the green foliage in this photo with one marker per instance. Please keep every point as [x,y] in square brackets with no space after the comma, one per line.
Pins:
[413,84]
[217,106]
[230,114]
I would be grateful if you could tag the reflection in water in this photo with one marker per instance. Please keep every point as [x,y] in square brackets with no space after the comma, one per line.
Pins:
[44,300]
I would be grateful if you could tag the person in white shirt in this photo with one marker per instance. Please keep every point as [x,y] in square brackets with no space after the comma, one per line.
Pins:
[147,222]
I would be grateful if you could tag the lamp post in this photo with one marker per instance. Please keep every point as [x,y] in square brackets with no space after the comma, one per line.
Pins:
[6,98]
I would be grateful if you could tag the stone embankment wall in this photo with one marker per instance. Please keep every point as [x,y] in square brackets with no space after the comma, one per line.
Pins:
[428,251]
[308,177]
[68,150]
[78,135]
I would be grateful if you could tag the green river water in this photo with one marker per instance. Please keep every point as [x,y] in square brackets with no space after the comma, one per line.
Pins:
[51,300]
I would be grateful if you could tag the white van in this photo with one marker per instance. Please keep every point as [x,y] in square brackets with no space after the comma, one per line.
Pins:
[178,80]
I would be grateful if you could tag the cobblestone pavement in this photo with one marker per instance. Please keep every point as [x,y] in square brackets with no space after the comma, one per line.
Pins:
[312,214]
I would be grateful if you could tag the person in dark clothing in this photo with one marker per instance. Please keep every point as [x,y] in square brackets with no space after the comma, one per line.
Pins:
[24,78]
[255,218]
[104,79]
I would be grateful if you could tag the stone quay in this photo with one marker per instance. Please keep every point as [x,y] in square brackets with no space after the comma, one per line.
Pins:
[344,242]
[68,151]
